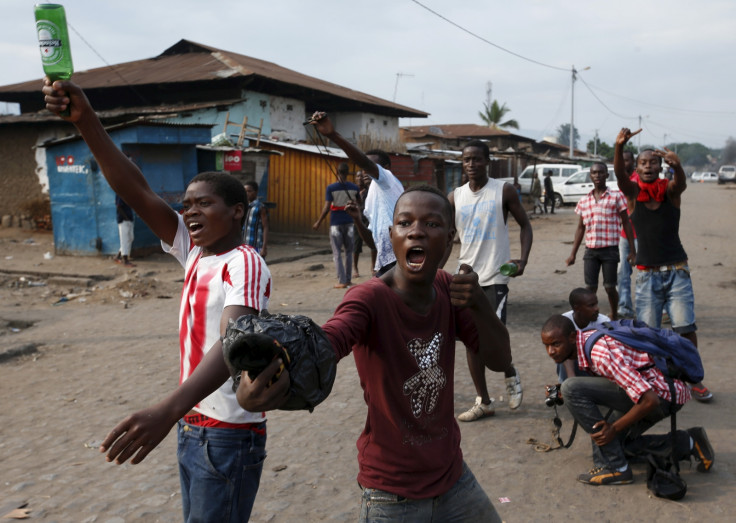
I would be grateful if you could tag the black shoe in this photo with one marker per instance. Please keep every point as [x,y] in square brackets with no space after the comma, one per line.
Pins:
[702,450]
[606,476]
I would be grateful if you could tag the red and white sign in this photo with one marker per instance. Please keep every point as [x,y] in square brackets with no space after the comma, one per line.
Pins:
[233,161]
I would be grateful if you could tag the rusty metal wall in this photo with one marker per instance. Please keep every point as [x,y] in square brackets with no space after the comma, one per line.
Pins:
[297,183]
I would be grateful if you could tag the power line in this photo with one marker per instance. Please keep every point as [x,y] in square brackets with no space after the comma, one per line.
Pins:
[115,70]
[678,109]
[601,101]
[488,41]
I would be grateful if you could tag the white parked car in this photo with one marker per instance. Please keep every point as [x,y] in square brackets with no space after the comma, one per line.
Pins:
[727,173]
[705,177]
[580,184]
[560,172]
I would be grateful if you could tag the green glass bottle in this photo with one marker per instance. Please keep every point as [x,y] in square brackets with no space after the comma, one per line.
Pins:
[508,269]
[53,41]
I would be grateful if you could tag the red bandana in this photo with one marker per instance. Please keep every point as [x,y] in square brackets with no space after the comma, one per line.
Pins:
[652,191]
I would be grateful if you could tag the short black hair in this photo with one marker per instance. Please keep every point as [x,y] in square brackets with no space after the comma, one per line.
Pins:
[343,169]
[599,163]
[225,186]
[384,160]
[633,156]
[558,321]
[650,150]
[483,146]
[447,207]
[577,295]
[252,184]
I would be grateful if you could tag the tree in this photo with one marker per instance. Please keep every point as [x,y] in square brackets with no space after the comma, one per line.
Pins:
[563,135]
[603,149]
[494,113]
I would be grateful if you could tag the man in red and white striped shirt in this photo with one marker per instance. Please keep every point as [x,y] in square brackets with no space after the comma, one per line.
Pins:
[602,213]
[626,381]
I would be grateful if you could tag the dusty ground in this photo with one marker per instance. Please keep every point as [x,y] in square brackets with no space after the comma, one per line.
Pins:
[111,347]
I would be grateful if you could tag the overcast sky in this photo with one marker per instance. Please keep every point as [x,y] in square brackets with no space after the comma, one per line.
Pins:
[669,62]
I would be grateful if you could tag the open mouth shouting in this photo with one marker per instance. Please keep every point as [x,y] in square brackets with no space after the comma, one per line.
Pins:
[194,228]
[415,258]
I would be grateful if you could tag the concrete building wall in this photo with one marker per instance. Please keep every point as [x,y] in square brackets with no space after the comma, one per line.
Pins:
[352,125]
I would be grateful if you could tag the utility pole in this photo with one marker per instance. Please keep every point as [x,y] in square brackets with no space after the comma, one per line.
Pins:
[396,85]
[572,110]
[595,143]
[489,89]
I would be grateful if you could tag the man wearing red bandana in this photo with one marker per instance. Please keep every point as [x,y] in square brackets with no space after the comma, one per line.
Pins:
[654,208]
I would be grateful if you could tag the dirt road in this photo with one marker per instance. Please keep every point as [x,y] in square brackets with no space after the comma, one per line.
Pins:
[111,348]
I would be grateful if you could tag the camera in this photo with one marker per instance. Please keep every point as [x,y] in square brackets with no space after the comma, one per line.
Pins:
[553,396]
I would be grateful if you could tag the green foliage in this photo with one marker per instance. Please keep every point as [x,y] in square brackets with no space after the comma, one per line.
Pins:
[563,135]
[604,150]
[493,114]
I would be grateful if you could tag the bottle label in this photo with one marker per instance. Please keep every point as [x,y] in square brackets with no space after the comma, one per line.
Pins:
[49,42]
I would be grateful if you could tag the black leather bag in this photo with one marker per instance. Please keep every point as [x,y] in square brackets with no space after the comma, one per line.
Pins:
[663,478]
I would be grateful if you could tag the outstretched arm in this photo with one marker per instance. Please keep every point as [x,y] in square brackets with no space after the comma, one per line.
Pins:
[122,174]
[526,236]
[628,187]
[322,216]
[324,126]
[494,347]
[579,233]
[142,431]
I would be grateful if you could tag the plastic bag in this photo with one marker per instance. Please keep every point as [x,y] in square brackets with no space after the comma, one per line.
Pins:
[311,361]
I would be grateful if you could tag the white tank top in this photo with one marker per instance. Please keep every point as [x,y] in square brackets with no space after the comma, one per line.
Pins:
[483,233]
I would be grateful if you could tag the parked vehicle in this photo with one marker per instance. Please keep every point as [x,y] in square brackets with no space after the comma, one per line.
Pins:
[560,172]
[578,185]
[727,174]
[705,177]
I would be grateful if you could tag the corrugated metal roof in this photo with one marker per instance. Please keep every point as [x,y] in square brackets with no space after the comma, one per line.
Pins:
[189,62]
[451,131]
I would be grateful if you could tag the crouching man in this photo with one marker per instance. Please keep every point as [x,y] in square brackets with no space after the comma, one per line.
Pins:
[627,381]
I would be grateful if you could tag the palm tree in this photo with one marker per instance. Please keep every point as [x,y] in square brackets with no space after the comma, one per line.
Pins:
[494,113]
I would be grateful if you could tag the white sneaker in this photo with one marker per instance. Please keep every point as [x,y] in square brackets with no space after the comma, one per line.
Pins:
[478,411]
[514,390]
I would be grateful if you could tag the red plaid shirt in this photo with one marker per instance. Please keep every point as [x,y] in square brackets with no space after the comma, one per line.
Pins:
[620,363]
[601,218]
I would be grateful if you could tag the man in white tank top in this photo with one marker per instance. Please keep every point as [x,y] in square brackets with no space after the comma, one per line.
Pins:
[481,210]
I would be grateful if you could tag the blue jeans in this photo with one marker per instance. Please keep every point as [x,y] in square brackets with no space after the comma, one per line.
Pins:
[219,471]
[341,237]
[625,306]
[670,290]
[465,501]
[585,395]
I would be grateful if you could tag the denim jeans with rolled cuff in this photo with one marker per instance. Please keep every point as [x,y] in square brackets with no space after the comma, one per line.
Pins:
[219,471]
[465,501]
[585,397]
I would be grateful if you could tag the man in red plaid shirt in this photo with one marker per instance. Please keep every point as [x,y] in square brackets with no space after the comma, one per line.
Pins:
[602,213]
[626,381]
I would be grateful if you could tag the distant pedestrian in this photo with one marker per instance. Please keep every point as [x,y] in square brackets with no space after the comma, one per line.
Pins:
[383,193]
[126,224]
[602,213]
[536,193]
[625,305]
[549,191]
[342,232]
[363,182]
[256,228]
